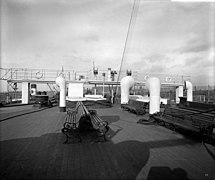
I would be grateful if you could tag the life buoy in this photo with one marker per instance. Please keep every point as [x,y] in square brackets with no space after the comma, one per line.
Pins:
[39,75]
[146,77]
[168,79]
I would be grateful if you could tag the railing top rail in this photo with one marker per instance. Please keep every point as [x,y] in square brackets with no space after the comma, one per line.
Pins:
[51,74]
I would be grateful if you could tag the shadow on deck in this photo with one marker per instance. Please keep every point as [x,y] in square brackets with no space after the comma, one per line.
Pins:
[46,157]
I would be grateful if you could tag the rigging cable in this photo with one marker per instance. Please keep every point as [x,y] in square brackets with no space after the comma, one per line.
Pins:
[133,16]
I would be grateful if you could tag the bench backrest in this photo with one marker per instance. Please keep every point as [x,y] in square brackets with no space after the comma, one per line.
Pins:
[137,104]
[74,115]
[79,103]
[187,116]
[96,121]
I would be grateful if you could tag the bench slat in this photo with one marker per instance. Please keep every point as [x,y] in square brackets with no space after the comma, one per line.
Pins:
[73,117]
[186,119]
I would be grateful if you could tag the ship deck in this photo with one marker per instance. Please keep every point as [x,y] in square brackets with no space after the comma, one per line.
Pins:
[32,148]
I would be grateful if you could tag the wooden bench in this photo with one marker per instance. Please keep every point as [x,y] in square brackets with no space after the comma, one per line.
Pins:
[99,125]
[202,123]
[80,119]
[134,106]
[197,106]
[72,120]
[210,110]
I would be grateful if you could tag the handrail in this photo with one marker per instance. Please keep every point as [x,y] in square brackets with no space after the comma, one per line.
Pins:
[51,75]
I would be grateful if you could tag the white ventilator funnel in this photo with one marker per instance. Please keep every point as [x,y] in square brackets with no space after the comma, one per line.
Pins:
[178,93]
[126,84]
[189,88]
[61,82]
[153,85]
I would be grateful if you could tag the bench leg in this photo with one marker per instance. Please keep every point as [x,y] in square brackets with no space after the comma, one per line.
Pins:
[66,141]
[71,134]
[75,135]
[102,133]
[174,129]
[203,135]
[105,138]
[78,136]
[101,136]
[65,131]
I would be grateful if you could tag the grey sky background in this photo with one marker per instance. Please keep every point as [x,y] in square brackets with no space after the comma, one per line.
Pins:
[167,37]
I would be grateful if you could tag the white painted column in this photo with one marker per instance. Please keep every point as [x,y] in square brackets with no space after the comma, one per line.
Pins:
[179,93]
[103,87]
[95,90]
[109,74]
[61,82]
[25,92]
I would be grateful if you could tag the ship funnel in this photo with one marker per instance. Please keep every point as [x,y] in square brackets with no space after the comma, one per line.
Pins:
[189,88]
[153,85]
[126,85]
[61,82]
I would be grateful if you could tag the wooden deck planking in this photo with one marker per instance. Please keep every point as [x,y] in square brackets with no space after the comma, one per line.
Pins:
[110,161]
[111,171]
[33,147]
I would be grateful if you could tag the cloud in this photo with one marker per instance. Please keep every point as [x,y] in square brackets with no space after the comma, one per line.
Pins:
[90,37]
[204,78]
[197,43]
[196,47]
[166,37]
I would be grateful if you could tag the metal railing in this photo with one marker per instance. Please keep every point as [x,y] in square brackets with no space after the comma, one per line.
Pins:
[50,75]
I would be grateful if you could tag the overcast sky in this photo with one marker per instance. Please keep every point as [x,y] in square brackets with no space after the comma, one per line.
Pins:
[165,37]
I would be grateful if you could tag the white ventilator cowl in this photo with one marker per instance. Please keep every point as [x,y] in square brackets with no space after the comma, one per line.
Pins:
[189,88]
[61,82]
[153,85]
[126,84]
